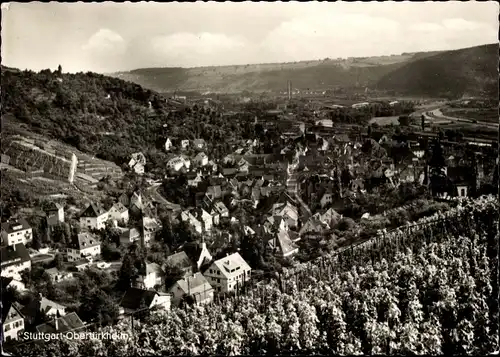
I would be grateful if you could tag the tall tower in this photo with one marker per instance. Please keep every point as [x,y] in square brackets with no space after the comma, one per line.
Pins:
[289,84]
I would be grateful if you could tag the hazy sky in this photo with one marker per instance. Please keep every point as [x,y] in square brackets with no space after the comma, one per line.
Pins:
[106,37]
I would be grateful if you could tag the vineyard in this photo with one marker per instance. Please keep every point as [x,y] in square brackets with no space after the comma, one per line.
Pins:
[427,288]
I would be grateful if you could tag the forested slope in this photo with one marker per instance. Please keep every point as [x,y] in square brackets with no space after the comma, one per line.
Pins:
[431,288]
[101,115]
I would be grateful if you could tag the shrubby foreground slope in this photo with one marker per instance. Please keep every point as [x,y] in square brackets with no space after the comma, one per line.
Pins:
[428,289]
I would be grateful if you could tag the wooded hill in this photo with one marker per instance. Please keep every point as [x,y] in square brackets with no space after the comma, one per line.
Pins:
[105,116]
[452,73]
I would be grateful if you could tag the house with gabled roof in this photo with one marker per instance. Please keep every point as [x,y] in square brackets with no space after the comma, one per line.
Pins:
[55,213]
[168,144]
[41,306]
[69,322]
[136,299]
[201,159]
[14,259]
[313,225]
[227,273]
[330,217]
[84,245]
[12,321]
[119,213]
[282,244]
[196,287]
[93,217]
[197,252]
[180,260]
[129,236]
[288,211]
[150,275]
[16,231]
[57,275]
[150,228]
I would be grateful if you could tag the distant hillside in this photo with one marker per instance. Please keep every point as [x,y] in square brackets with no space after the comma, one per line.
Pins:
[100,115]
[319,74]
[434,74]
[470,71]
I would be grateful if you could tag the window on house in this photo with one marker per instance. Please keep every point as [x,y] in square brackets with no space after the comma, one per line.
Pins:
[7,327]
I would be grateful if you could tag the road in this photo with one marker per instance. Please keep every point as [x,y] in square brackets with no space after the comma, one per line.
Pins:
[436,113]
[152,191]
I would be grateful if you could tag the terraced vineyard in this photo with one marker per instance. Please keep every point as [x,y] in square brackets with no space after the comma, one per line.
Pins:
[428,288]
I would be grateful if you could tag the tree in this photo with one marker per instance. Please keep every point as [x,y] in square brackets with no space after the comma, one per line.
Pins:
[404,120]
[437,166]
[59,261]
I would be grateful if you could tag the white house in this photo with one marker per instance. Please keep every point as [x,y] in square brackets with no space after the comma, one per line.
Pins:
[283,244]
[192,220]
[196,286]
[221,209]
[227,273]
[119,213]
[57,275]
[137,163]
[151,276]
[51,308]
[288,211]
[135,299]
[93,217]
[150,227]
[130,236]
[168,144]
[326,200]
[196,180]
[201,159]
[14,259]
[185,144]
[84,246]
[207,220]
[55,213]
[178,163]
[16,231]
[12,321]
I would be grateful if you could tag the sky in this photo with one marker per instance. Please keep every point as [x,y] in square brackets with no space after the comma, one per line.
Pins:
[109,37]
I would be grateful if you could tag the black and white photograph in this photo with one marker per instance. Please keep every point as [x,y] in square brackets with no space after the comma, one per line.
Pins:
[249,178]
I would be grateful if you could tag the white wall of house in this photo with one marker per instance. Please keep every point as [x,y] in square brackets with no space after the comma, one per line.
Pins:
[21,236]
[223,284]
[118,216]
[77,254]
[14,270]
[163,301]
[149,281]
[94,222]
[12,329]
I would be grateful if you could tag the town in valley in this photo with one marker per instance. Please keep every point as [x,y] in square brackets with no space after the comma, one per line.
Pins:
[277,208]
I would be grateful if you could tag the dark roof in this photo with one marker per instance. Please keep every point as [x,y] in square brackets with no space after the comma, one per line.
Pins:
[180,260]
[10,254]
[53,206]
[13,225]
[66,323]
[85,240]
[4,283]
[133,298]
[10,309]
[93,210]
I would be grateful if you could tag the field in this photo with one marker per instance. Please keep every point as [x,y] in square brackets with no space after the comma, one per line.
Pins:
[427,288]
